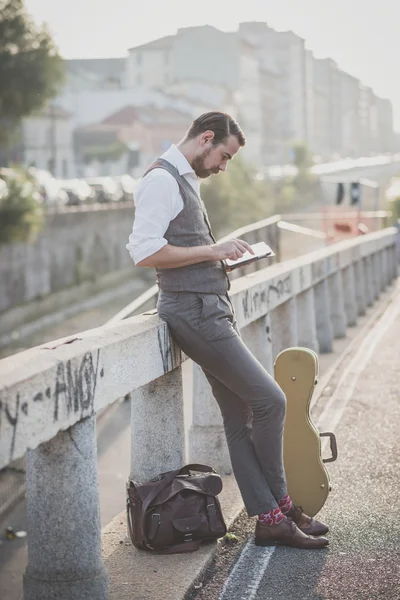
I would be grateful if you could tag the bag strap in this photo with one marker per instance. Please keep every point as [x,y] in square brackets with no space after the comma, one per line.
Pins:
[212,513]
[165,481]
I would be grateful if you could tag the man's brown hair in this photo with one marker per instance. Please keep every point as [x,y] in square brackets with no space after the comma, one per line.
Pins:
[221,124]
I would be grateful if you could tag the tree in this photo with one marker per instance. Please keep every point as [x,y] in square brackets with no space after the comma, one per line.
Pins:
[30,66]
[21,215]
[302,156]
[236,198]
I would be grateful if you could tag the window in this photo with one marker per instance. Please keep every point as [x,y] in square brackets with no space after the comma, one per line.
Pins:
[139,58]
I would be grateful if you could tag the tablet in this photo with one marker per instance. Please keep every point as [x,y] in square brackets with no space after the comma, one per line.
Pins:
[261,250]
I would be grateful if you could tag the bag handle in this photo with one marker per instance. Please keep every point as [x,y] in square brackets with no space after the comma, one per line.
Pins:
[165,481]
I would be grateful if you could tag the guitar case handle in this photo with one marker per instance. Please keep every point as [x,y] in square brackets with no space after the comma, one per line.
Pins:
[333,444]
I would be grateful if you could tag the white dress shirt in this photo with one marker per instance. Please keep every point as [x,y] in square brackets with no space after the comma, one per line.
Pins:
[158,201]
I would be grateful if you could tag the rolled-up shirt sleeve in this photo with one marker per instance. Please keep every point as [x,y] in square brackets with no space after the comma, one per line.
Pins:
[157,203]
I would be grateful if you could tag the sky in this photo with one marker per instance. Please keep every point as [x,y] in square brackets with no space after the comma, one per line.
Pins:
[362,36]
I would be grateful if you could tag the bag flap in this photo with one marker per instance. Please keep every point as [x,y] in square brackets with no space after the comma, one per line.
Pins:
[187,524]
[209,485]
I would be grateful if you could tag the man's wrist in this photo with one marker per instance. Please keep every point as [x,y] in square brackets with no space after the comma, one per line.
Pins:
[210,252]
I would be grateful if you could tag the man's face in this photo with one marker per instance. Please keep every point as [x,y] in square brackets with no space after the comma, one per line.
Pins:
[213,159]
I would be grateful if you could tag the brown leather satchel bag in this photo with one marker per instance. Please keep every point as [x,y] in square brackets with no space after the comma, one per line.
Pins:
[176,511]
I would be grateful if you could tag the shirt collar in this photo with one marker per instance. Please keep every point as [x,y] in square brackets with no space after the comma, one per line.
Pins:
[174,156]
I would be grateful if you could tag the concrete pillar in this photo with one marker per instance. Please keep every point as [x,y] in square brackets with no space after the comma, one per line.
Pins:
[349,294]
[306,324]
[284,326]
[396,252]
[376,275]
[394,261]
[323,321]
[207,442]
[390,263]
[157,427]
[360,283]
[369,282]
[336,302]
[64,543]
[257,337]
[386,262]
[384,269]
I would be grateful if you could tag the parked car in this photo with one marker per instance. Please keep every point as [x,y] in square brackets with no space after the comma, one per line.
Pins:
[105,188]
[127,185]
[3,188]
[78,191]
[49,188]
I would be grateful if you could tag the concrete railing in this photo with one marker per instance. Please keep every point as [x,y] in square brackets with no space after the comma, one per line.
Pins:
[49,397]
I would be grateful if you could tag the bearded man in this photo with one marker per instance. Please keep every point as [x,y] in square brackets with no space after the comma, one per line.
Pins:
[172,233]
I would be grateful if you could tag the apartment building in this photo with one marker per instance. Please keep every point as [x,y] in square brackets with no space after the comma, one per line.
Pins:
[224,66]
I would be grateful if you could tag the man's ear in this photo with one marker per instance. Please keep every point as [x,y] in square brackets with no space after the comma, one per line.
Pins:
[206,137]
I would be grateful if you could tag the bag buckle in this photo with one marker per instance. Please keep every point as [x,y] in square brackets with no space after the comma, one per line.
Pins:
[188,537]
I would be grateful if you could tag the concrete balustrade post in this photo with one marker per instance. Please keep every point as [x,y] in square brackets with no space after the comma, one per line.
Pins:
[392,253]
[384,268]
[389,264]
[284,327]
[207,442]
[376,275]
[323,321]
[157,427]
[369,281]
[64,543]
[349,294]
[306,324]
[360,284]
[336,302]
[396,255]
[257,337]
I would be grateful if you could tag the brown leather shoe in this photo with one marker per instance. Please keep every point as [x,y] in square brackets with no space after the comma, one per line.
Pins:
[286,533]
[307,524]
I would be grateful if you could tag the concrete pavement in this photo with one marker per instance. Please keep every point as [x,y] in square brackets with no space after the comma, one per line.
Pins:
[363,510]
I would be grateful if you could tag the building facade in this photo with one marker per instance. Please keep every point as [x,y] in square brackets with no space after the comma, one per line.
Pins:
[181,64]
[46,142]
[279,92]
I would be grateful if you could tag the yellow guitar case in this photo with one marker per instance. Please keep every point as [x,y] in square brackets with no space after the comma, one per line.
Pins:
[296,371]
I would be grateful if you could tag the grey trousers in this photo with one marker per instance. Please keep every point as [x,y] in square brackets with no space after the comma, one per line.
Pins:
[252,404]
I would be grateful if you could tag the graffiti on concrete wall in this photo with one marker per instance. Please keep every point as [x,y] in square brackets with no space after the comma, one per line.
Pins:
[71,392]
[169,351]
[253,301]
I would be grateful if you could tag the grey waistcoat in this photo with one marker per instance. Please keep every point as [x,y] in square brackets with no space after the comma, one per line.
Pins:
[191,227]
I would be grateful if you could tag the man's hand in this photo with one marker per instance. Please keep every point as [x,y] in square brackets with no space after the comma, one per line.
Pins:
[233,249]
[171,257]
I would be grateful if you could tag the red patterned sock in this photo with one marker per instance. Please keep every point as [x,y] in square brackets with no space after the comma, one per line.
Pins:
[272,517]
[285,504]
